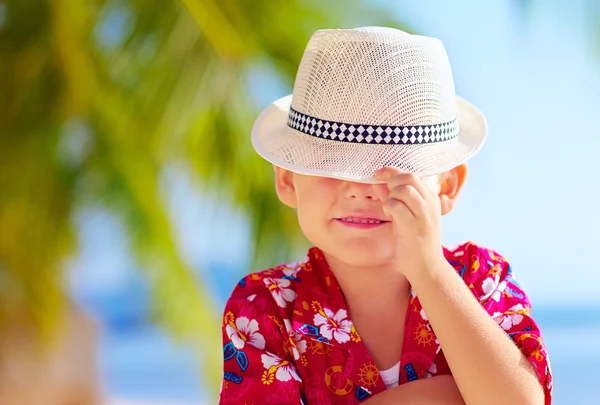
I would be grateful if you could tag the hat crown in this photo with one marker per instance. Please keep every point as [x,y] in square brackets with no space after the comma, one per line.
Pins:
[375,76]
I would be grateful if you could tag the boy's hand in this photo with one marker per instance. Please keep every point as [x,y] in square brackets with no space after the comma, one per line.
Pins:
[415,212]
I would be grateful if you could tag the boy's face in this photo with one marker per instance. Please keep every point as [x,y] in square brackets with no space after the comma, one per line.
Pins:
[346,219]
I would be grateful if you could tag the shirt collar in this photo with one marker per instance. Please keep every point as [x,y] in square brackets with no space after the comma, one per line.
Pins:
[320,311]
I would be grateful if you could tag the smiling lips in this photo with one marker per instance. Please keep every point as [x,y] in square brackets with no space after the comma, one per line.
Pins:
[361,222]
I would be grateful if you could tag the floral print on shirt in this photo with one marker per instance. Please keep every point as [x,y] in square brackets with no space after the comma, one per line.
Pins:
[288,337]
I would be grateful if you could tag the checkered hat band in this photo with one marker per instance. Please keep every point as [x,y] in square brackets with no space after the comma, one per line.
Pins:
[372,134]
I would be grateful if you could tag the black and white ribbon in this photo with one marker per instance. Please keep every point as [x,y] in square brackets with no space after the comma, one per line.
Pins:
[372,134]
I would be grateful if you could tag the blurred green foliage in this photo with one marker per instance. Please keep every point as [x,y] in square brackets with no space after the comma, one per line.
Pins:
[98,97]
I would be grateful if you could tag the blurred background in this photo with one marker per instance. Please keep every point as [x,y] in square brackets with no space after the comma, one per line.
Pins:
[131,201]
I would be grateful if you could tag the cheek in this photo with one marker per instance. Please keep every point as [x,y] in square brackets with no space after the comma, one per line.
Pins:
[316,198]
[316,192]
[311,219]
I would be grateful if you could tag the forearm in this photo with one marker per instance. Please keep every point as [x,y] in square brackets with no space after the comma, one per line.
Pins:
[440,390]
[486,365]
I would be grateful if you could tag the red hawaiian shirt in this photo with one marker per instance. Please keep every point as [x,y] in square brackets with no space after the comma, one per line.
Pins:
[288,338]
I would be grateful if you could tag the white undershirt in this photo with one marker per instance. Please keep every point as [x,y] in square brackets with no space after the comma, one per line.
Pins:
[391,375]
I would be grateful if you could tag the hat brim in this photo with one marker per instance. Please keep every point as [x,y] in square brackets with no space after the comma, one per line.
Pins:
[293,150]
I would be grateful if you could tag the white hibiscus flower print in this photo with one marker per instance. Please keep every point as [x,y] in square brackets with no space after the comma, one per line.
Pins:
[292,269]
[298,345]
[510,318]
[283,369]
[251,297]
[334,326]
[245,332]
[492,288]
[279,291]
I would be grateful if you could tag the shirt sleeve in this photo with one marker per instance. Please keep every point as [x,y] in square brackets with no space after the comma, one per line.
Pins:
[499,293]
[258,365]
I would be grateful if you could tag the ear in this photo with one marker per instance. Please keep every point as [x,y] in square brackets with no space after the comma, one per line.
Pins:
[284,186]
[451,184]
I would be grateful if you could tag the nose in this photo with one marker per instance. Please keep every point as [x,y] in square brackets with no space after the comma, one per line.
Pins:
[359,190]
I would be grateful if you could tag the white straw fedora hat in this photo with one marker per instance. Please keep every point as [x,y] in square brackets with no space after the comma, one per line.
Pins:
[366,98]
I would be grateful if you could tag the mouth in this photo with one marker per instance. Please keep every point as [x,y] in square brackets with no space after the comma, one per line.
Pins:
[360,222]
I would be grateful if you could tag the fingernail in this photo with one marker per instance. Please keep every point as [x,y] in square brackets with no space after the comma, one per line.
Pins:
[380,174]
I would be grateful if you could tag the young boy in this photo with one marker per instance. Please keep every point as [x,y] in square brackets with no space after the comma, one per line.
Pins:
[370,150]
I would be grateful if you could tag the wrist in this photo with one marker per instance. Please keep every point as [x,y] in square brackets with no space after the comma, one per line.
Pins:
[430,273]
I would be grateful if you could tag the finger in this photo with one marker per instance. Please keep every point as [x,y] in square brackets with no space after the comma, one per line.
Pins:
[411,179]
[386,173]
[397,210]
[395,177]
[381,191]
[410,197]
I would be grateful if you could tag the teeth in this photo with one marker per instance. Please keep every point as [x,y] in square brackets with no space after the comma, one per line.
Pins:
[361,220]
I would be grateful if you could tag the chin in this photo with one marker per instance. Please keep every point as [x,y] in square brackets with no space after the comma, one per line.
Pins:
[361,253]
